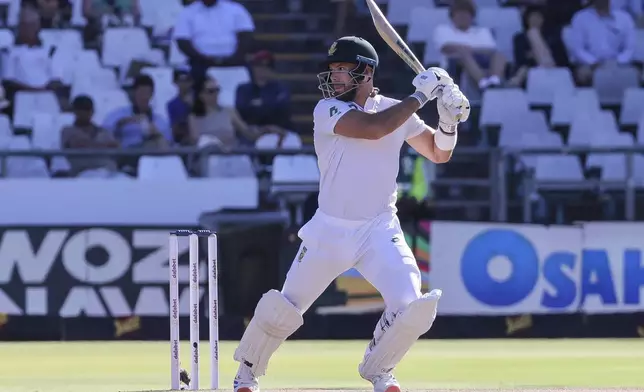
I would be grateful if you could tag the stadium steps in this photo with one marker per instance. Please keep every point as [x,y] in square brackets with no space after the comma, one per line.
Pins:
[285,23]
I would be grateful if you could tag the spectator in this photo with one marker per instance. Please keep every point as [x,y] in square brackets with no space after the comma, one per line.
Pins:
[633,7]
[213,123]
[265,102]
[137,125]
[600,36]
[54,14]
[180,107]
[112,12]
[85,134]
[468,46]
[534,47]
[213,33]
[28,64]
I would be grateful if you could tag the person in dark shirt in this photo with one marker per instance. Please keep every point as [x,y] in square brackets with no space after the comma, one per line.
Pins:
[536,46]
[264,102]
[179,107]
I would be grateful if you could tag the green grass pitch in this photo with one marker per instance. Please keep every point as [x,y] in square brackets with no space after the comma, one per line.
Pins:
[299,365]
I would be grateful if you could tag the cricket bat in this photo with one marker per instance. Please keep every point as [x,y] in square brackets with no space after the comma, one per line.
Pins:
[391,37]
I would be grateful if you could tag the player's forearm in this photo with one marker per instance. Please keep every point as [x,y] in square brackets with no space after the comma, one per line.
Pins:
[385,122]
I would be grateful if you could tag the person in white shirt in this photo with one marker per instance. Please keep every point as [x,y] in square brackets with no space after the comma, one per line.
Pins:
[358,135]
[600,36]
[471,47]
[213,33]
[28,64]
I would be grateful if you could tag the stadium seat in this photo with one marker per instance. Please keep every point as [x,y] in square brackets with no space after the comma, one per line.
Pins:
[270,141]
[63,39]
[6,39]
[501,104]
[107,101]
[505,23]
[567,104]
[27,104]
[543,83]
[229,79]
[102,79]
[399,11]
[611,82]
[124,44]
[78,63]
[160,168]
[423,21]
[598,128]
[529,130]
[77,13]
[24,167]
[230,166]
[638,54]
[632,107]
[486,3]
[176,58]
[558,168]
[613,166]
[167,13]
[295,171]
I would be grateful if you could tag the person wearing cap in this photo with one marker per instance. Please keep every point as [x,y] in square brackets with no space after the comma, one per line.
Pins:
[358,135]
[264,101]
[83,133]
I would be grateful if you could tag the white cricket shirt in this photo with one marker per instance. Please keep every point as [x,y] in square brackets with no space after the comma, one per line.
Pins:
[358,176]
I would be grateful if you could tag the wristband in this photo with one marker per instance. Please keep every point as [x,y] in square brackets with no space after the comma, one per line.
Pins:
[446,140]
[420,97]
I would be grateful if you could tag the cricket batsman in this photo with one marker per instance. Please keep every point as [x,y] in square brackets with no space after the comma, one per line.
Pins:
[358,134]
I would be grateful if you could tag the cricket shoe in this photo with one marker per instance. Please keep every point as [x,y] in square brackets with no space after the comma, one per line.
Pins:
[184,378]
[245,380]
[385,382]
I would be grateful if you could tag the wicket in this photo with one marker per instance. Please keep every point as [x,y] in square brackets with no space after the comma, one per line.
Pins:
[213,310]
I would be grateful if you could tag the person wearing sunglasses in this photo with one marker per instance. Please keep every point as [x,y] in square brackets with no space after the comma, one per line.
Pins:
[210,122]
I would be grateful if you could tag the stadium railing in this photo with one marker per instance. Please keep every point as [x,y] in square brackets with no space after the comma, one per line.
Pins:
[499,160]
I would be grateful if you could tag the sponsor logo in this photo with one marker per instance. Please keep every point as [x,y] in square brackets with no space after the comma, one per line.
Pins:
[95,272]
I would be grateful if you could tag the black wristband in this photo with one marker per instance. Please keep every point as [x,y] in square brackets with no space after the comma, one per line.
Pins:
[450,133]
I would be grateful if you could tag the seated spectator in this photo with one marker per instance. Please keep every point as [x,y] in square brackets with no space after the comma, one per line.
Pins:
[54,14]
[209,122]
[536,48]
[112,12]
[600,36]
[28,64]
[137,125]
[265,102]
[180,107]
[85,134]
[471,47]
[213,33]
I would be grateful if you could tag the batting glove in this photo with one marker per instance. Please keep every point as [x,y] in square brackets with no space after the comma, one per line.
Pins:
[453,107]
[430,83]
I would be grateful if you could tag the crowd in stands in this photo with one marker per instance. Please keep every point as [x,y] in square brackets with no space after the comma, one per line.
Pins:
[94,74]
[158,74]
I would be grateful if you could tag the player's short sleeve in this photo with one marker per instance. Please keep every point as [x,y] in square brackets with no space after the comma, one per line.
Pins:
[326,115]
[414,126]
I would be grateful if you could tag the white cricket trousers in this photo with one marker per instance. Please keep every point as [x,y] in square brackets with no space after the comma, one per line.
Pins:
[375,248]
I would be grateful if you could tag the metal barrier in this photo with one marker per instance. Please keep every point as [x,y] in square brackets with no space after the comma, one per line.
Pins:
[497,157]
